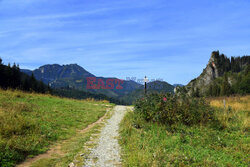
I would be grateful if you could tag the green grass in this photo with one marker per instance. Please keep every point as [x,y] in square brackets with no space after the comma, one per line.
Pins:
[30,123]
[74,148]
[152,144]
[71,149]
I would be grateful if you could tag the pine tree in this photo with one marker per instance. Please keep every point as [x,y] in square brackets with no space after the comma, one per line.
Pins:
[2,80]
[225,88]
[16,76]
[41,87]
[7,77]
[26,85]
[33,83]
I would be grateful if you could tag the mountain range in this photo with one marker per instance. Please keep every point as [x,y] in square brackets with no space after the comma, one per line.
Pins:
[74,76]
[221,76]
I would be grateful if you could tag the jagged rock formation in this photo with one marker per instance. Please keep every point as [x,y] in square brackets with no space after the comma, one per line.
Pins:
[217,66]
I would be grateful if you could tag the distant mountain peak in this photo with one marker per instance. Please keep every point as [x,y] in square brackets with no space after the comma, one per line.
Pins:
[50,73]
[50,65]
[75,76]
[178,85]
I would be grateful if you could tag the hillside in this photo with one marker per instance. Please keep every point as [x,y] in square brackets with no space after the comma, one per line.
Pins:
[78,94]
[30,123]
[11,77]
[52,74]
[155,86]
[230,83]
[217,67]
[74,76]
[186,132]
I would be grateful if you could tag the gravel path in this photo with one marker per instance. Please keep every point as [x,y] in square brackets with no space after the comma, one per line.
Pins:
[107,151]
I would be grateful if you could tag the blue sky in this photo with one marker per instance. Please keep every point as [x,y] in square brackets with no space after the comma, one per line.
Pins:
[164,39]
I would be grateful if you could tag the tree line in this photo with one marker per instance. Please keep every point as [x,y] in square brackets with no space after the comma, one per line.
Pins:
[78,94]
[231,83]
[235,64]
[12,77]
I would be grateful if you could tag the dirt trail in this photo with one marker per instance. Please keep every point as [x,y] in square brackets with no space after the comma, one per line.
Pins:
[107,151]
[56,149]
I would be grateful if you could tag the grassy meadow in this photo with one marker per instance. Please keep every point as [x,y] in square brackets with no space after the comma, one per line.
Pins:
[148,143]
[238,107]
[30,123]
[237,103]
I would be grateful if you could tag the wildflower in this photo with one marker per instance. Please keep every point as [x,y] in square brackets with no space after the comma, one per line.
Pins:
[164,99]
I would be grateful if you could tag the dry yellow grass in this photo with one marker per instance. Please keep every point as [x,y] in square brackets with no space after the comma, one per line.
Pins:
[238,103]
[240,106]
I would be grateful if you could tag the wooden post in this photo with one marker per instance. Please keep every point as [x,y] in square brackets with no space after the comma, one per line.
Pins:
[145,85]
[224,102]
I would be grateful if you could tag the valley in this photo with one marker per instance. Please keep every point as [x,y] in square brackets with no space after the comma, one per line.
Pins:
[124,83]
[76,121]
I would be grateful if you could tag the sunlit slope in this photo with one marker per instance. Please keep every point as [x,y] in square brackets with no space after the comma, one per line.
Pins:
[29,123]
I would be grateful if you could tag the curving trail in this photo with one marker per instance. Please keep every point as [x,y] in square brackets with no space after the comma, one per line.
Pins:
[57,148]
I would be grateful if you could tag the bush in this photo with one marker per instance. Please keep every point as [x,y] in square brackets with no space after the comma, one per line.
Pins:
[169,109]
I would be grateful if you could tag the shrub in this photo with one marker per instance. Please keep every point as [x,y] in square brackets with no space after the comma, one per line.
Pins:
[169,109]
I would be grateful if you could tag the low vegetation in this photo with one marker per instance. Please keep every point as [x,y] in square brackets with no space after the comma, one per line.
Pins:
[71,150]
[172,110]
[30,122]
[238,103]
[186,136]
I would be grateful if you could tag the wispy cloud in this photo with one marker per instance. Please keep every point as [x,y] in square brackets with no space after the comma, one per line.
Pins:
[168,39]
[70,15]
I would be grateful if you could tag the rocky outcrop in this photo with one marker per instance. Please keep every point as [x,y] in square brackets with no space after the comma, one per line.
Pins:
[206,77]
[217,66]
